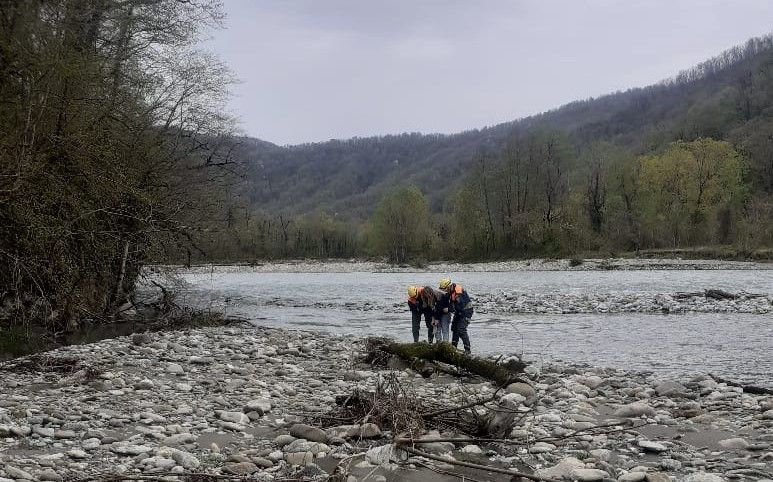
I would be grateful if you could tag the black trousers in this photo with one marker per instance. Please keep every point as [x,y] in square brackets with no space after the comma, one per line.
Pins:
[416,321]
[459,326]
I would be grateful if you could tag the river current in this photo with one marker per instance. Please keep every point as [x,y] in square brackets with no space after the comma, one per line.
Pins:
[734,345]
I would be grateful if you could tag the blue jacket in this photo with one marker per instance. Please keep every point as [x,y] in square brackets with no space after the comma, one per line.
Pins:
[461,303]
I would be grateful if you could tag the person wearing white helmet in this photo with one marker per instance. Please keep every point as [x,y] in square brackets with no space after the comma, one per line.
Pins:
[461,306]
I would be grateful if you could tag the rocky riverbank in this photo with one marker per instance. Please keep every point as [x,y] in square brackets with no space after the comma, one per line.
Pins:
[537,264]
[236,401]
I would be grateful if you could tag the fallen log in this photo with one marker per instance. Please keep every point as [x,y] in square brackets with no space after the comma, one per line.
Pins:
[753,389]
[502,374]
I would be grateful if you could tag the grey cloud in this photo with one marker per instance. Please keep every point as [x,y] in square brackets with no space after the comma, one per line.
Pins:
[318,69]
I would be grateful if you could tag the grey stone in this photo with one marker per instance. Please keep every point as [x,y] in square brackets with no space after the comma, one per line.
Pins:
[650,446]
[736,443]
[300,430]
[437,448]
[562,470]
[302,445]
[541,448]
[141,339]
[21,431]
[129,449]
[703,477]
[282,440]
[15,473]
[145,384]
[592,381]
[632,410]
[91,443]
[262,462]
[299,458]
[43,431]
[179,439]
[588,475]
[77,454]
[365,431]
[234,417]
[242,468]
[49,475]
[672,389]
[185,460]
[657,477]
[523,389]
[260,405]
[632,477]
[603,455]
[670,465]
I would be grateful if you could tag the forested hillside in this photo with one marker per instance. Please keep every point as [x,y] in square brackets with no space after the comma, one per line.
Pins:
[573,168]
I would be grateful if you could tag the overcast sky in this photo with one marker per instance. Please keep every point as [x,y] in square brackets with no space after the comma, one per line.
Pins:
[312,70]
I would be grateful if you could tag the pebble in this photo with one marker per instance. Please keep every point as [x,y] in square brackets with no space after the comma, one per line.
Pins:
[588,475]
[242,468]
[650,446]
[632,477]
[734,444]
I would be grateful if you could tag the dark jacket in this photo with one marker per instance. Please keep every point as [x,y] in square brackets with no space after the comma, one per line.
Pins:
[442,305]
[461,303]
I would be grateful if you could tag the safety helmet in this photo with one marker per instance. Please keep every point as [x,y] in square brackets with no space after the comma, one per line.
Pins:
[445,283]
[413,291]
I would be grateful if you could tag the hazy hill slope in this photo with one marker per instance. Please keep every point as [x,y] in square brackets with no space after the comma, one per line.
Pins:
[727,97]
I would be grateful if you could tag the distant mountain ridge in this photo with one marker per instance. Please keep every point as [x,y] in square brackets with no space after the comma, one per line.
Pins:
[727,97]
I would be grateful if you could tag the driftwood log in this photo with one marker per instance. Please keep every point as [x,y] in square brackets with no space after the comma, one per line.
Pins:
[753,389]
[379,350]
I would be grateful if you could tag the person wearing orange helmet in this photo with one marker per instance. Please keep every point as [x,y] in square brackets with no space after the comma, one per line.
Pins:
[419,303]
[461,306]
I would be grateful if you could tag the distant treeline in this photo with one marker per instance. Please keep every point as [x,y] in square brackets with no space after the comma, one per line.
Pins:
[529,201]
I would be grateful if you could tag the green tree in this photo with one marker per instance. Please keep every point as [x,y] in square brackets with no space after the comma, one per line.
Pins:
[110,129]
[400,226]
[690,193]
